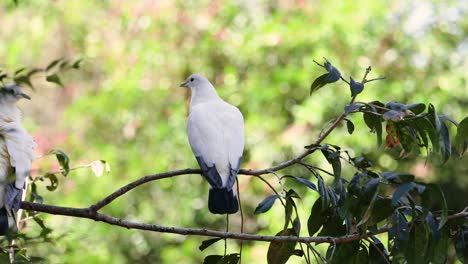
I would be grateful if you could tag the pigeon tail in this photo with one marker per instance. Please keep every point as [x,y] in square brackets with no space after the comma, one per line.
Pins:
[222,201]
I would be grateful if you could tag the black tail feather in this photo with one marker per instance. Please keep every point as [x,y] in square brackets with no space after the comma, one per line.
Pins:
[222,201]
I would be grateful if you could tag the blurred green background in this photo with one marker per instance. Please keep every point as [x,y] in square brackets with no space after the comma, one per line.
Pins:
[125,105]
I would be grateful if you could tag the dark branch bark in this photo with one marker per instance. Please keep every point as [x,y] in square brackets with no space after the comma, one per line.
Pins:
[94,215]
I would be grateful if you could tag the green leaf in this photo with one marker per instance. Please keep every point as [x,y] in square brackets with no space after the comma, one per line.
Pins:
[374,123]
[53,181]
[34,71]
[351,108]
[434,117]
[399,231]
[377,252]
[397,177]
[297,226]
[63,160]
[431,196]
[416,108]
[401,191]
[77,64]
[350,126]
[437,251]
[356,87]
[319,83]
[266,204]
[432,226]
[23,80]
[19,71]
[362,162]
[35,197]
[416,250]
[333,157]
[3,76]
[382,210]
[278,251]
[317,217]
[322,189]
[206,243]
[303,181]
[350,252]
[461,243]
[54,78]
[288,210]
[229,259]
[461,140]
[446,146]
[53,64]
[212,259]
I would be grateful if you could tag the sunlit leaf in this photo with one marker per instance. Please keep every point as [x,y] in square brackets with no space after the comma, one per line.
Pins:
[98,167]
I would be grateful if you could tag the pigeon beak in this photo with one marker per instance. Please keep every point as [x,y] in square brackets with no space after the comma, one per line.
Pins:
[184,84]
[25,96]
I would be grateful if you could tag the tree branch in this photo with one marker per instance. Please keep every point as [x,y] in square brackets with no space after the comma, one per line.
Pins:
[90,214]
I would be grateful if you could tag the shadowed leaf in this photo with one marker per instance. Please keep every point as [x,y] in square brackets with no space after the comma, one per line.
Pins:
[54,78]
[266,204]
[206,243]
[279,252]
[319,82]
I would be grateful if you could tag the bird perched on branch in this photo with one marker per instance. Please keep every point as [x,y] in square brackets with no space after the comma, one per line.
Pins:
[216,134]
[16,155]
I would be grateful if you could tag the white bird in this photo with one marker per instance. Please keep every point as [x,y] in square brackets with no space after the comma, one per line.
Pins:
[216,134]
[16,155]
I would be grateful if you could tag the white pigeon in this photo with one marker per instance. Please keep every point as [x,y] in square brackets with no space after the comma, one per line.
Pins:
[216,134]
[16,155]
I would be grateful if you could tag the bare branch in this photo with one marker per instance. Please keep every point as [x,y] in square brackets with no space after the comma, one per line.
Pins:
[90,214]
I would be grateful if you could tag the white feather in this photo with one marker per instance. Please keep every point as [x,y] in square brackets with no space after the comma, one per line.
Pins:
[215,130]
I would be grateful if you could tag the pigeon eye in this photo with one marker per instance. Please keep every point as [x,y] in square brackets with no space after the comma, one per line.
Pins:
[191,79]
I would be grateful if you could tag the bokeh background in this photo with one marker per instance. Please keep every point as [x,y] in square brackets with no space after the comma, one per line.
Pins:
[125,105]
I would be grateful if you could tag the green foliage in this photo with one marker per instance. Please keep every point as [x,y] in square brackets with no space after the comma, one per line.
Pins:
[372,198]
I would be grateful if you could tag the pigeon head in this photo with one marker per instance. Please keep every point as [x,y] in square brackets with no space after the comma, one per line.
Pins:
[13,93]
[195,81]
